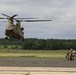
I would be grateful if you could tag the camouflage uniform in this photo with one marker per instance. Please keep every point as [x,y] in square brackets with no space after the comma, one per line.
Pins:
[67,55]
[71,56]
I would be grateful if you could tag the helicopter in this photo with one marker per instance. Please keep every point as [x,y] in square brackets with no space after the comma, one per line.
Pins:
[15,30]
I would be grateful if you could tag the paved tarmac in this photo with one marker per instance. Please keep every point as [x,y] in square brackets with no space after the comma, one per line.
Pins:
[33,66]
[37,71]
[33,62]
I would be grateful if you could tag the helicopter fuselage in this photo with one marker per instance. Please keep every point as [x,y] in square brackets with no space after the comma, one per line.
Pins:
[14,31]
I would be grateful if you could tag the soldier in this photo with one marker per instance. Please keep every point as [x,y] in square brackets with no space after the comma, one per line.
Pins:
[74,53]
[67,55]
[71,56]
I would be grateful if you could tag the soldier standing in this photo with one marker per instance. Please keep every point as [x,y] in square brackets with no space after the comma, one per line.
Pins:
[71,56]
[67,55]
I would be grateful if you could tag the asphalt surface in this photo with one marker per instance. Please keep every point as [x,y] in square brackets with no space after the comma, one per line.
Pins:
[37,71]
[36,62]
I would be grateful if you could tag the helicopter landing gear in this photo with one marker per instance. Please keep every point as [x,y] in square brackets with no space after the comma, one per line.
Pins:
[6,38]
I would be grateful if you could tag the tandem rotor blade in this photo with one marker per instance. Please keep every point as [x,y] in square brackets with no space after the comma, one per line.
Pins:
[13,16]
[34,20]
[9,16]
[26,18]
[5,15]
[3,18]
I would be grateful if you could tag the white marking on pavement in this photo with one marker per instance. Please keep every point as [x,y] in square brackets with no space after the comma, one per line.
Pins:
[37,71]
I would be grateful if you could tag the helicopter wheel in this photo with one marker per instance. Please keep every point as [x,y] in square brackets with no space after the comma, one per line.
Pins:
[6,38]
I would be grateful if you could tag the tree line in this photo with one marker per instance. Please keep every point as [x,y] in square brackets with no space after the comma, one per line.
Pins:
[39,44]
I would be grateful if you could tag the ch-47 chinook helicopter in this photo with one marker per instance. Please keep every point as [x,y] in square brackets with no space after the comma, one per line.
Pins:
[15,30]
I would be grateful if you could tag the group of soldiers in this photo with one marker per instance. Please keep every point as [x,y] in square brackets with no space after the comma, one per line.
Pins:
[70,54]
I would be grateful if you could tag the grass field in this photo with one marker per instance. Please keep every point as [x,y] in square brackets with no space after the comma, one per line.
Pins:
[54,54]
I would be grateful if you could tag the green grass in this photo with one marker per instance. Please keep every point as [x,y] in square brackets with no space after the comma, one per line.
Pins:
[54,54]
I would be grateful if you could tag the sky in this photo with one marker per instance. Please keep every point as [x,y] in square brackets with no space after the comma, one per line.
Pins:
[61,12]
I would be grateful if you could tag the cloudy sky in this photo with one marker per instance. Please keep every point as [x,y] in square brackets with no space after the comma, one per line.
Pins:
[61,12]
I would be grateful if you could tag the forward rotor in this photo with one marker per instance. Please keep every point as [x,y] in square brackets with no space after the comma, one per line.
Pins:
[23,19]
[12,17]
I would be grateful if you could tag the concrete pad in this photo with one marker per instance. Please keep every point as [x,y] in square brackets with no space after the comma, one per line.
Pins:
[37,71]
